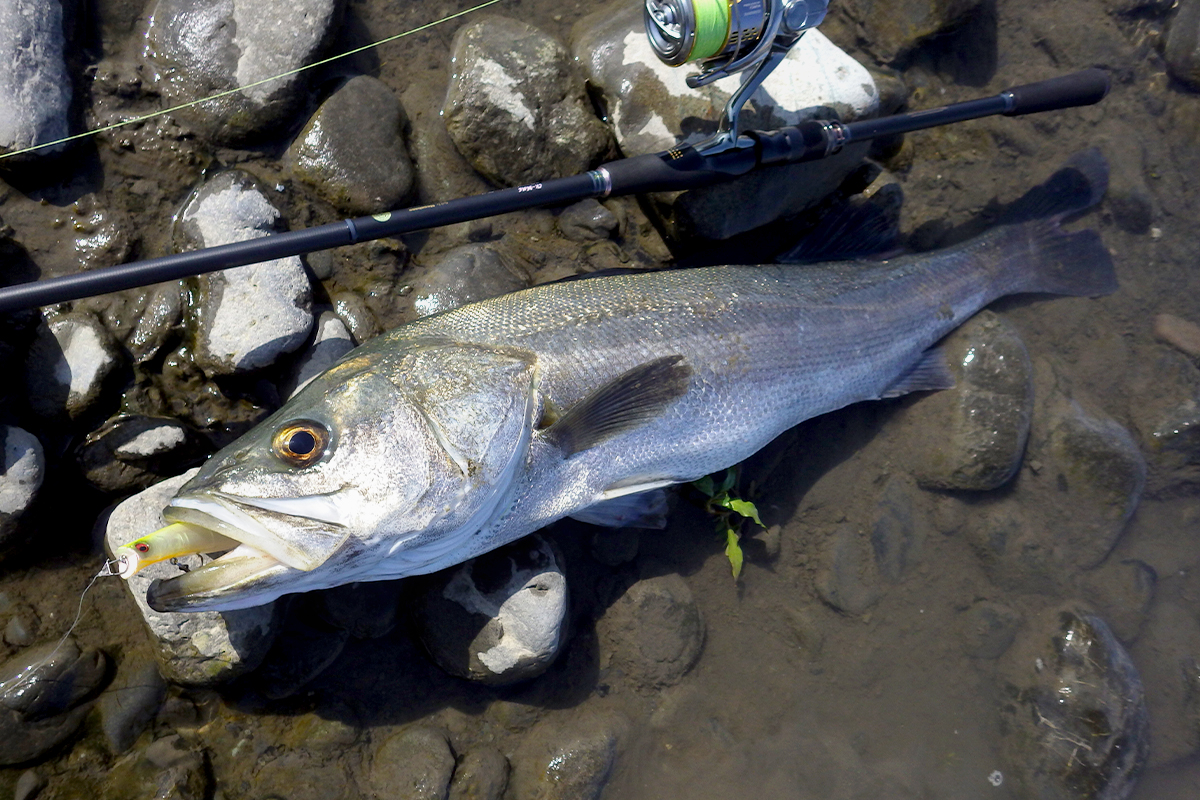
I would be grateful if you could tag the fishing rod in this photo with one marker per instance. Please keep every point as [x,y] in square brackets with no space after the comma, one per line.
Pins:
[724,36]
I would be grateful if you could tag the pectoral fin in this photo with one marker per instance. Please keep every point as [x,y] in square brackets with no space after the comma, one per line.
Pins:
[623,404]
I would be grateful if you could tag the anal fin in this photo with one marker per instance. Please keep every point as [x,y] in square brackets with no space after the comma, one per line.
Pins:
[931,373]
[641,510]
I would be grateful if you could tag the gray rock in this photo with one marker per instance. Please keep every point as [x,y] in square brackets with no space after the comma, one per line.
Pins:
[248,316]
[464,275]
[35,90]
[196,52]
[988,629]
[167,768]
[352,150]
[29,784]
[365,610]
[516,109]
[889,30]
[652,109]
[847,577]
[480,775]
[22,626]
[67,364]
[587,221]
[21,473]
[568,760]
[202,648]
[130,452]
[1073,715]
[130,703]
[1123,593]
[894,536]
[352,310]
[162,314]
[1168,656]
[42,697]
[973,436]
[654,632]
[1183,44]
[332,340]
[415,764]
[498,618]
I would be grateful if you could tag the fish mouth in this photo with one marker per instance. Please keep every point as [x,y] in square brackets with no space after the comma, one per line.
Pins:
[262,556]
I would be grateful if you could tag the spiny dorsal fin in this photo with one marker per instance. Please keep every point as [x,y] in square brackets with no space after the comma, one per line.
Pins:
[627,402]
[930,373]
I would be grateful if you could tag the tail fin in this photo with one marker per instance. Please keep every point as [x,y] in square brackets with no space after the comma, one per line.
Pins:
[1079,185]
[1044,258]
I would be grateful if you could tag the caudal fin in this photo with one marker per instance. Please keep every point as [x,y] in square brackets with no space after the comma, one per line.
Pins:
[1080,184]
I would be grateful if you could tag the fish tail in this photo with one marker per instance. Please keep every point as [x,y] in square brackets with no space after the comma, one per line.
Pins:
[1077,186]
[1044,258]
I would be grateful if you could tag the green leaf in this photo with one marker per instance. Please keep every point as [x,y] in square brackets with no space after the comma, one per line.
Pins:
[733,551]
[729,480]
[746,509]
[705,485]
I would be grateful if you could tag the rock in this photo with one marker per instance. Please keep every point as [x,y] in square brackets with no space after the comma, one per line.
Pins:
[516,109]
[615,546]
[35,90]
[331,342]
[587,221]
[302,650]
[300,775]
[889,29]
[653,633]
[68,363]
[652,109]
[972,437]
[131,703]
[480,775]
[1123,593]
[198,52]
[1183,44]
[22,626]
[42,697]
[352,150]
[498,618]
[21,474]
[199,648]
[1180,333]
[28,785]
[353,311]
[248,316]
[413,765]
[130,452]
[1168,655]
[568,760]
[847,578]
[464,275]
[167,768]
[988,629]
[894,537]
[161,316]
[365,610]
[102,233]
[1073,716]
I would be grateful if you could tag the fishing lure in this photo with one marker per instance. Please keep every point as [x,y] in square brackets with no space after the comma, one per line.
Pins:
[173,541]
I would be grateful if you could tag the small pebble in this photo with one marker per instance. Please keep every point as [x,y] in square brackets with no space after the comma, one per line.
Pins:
[1179,333]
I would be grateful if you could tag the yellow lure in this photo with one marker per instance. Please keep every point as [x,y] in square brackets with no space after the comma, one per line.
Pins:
[175,540]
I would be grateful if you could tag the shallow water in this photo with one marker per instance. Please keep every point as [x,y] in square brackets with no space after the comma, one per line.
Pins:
[789,698]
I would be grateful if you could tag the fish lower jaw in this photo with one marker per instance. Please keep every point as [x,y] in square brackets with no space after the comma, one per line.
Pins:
[227,582]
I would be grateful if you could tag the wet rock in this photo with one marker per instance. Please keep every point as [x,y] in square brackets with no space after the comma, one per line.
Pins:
[498,618]
[587,221]
[130,703]
[199,648]
[1123,593]
[1183,44]
[988,629]
[973,436]
[365,610]
[516,109]
[653,632]
[613,547]
[22,626]
[167,768]
[161,316]
[413,765]
[68,363]
[1180,333]
[1073,714]
[302,650]
[889,30]
[464,275]
[332,340]
[199,52]
[35,90]
[568,760]
[652,109]
[28,785]
[847,578]
[102,233]
[353,311]
[352,150]
[42,697]
[248,316]
[894,536]
[21,473]
[1168,657]
[300,775]
[199,401]
[130,452]
[480,775]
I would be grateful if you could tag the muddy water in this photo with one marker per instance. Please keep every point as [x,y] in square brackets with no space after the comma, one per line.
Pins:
[789,698]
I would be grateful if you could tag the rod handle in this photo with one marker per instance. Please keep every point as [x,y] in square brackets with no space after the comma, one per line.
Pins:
[1081,88]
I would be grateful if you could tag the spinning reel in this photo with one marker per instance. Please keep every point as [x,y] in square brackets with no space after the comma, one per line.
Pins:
[726,37]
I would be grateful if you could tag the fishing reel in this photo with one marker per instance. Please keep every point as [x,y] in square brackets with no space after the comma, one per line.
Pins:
[726,37]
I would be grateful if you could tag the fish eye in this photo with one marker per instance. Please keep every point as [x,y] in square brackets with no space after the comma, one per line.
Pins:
[301,442]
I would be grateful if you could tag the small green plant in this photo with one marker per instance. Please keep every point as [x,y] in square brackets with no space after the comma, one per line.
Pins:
[731,513]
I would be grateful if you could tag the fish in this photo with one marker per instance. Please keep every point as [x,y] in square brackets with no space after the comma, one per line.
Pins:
[460,432]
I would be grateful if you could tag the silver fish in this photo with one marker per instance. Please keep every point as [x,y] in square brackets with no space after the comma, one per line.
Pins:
[464,431]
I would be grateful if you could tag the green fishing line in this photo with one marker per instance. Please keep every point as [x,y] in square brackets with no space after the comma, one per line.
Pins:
[712,28]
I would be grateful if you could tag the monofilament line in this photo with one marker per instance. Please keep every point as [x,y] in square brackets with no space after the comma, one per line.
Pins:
[228,92]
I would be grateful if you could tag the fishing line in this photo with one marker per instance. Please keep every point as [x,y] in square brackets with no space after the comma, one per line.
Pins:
[235,90]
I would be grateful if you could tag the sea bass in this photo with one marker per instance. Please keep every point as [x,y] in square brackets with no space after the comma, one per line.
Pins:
[463,431]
